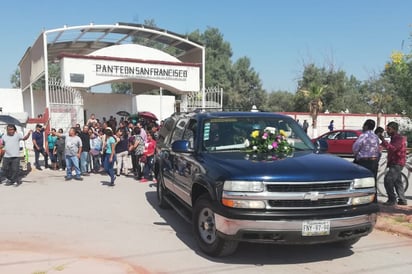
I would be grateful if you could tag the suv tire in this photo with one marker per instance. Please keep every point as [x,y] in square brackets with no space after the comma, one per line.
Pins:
[204,228]
[161,192]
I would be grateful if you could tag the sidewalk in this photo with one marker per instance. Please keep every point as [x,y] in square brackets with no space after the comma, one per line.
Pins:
[395,219]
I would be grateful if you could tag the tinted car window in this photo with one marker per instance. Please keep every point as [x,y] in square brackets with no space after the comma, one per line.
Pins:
[179,130]
[165,130]
[351,135]
[232,133]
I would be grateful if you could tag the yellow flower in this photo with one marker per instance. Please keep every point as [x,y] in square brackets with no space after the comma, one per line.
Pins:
[282,132]
[255,134]
[397,57]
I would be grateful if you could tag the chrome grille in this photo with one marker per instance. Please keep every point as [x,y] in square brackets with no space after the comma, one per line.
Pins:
[333,186]
[309,203]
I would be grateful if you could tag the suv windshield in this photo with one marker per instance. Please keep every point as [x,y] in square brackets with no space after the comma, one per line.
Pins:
[236,133]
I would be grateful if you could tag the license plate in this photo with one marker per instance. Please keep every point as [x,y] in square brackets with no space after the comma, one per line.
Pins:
[315,228]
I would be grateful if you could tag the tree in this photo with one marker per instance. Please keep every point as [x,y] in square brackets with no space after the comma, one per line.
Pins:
[125,87]
[122,87]
[15,79]
[218,65]
[398,72]
[279,101]
[241,84]
[314,94]
[381,93]
[54,72]
[246,88]
[340,92]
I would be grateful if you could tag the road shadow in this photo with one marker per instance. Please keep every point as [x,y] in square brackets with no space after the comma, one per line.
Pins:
[249,253]
[106,183]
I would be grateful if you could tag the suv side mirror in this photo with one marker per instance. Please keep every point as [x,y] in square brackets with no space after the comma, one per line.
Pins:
[321,146]
[181,146]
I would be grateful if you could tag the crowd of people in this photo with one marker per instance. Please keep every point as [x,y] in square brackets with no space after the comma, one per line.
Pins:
[130,146]
[116,148]
[367,151]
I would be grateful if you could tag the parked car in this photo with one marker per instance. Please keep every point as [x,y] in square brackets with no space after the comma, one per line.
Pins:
[214,171]
[340,141]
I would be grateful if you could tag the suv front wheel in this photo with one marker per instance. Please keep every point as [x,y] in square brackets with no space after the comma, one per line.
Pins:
[161,192]
[204,228]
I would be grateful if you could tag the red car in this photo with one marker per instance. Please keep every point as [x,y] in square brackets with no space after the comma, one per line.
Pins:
[340,141]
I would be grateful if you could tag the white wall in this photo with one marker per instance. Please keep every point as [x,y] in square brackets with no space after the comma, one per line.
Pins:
[162,107]
[107,104]
[347,121]
[11,100]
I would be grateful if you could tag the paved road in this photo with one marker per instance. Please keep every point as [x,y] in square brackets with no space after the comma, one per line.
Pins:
[52,226]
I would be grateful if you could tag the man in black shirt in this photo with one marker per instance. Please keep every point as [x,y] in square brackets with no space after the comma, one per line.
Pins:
[85,156]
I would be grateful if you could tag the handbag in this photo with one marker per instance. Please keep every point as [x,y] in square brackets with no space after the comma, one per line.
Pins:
[94,152]
[143,158]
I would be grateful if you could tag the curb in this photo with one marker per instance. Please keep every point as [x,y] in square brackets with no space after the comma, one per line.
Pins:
[388,220]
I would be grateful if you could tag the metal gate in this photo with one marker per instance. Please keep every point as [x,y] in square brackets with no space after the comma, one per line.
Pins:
[66,105]
[213,99]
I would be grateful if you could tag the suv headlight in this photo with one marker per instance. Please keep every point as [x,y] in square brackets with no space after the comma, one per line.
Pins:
[246,186]
[364,182]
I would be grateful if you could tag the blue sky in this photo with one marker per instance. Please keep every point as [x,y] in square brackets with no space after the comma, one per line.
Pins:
[279,37]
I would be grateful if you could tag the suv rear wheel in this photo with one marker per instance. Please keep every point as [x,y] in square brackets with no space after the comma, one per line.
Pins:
[204,228]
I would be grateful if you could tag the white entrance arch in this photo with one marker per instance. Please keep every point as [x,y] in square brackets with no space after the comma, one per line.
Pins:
[136,63]
[164,59]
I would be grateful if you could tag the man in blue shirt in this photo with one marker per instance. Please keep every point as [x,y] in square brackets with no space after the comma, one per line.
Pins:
[38,147]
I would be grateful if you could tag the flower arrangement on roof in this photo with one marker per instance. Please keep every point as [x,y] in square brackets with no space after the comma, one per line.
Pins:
[270,141]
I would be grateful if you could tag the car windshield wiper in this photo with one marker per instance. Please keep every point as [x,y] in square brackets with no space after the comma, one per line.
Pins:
[231,147]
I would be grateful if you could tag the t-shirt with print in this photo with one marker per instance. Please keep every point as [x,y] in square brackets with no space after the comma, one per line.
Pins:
[72,145]
[139,150]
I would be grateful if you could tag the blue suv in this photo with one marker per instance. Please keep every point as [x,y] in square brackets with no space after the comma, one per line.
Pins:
[257,177]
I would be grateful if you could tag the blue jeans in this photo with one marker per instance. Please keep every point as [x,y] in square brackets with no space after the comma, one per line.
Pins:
[108,166]
[148,166]
[84,161]
[96,162]
[52,156]
[72,161]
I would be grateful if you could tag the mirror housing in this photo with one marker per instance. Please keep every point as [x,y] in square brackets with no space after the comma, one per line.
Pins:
[181,146]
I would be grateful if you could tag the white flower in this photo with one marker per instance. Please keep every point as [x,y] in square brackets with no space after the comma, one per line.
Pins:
[254,147]
[271,130]
[270,147]
[247,143]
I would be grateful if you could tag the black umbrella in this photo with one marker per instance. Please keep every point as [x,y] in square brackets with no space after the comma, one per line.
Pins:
[123,113]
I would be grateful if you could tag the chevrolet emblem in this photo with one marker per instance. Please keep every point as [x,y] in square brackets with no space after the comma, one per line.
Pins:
[313,196]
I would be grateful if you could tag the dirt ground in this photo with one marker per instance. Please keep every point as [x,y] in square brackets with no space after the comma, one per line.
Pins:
[395,219]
